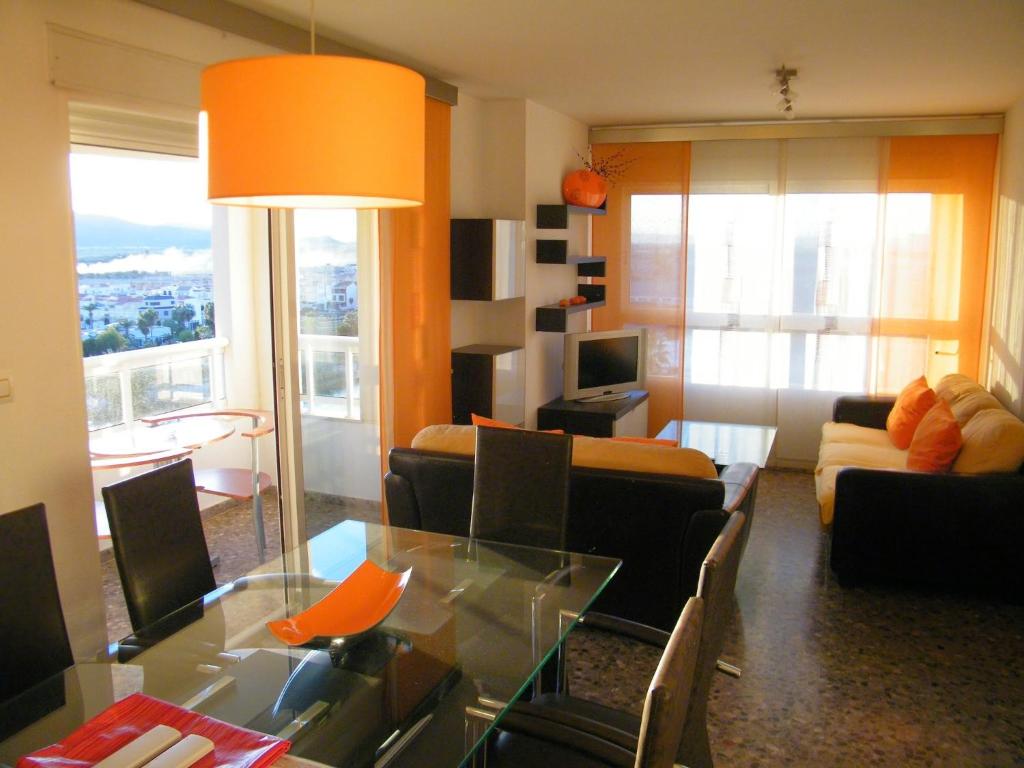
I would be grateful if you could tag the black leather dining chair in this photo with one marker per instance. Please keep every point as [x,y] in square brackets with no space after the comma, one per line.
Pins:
[716,588]
[521,487]
[35,642]
[563,738]
[158,541]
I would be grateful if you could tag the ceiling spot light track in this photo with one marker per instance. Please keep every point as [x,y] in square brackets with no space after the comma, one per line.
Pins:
[787,95]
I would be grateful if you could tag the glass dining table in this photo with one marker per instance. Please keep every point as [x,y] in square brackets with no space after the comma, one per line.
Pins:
[475,624]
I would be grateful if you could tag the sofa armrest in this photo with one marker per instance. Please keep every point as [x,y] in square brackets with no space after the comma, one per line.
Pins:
[863,410]
[740,480]
[402,508]
[938,529]
[701,532]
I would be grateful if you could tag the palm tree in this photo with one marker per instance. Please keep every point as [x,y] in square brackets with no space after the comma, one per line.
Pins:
[147,319]
[90,308]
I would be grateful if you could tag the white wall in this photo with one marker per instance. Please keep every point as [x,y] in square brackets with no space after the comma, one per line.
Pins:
[43,430]
[488,180]
[552,143]
[508,156]
[1006,329]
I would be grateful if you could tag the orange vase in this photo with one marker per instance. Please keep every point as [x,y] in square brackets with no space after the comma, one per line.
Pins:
[584,188]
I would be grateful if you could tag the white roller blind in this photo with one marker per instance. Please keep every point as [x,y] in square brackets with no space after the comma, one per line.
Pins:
[99,126]
[734,167]
[832,165]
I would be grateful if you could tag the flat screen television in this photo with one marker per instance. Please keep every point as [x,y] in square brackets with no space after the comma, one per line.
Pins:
[604,365]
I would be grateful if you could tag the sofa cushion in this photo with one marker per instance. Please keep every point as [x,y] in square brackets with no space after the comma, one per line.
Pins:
[600,453]
[912,404]
[936,440]
[955,385]
[825,491]
[833,457]
[446,438]
[965,396]
[594,452]
[993,442]
[968,404]
[836,432]
[859,455]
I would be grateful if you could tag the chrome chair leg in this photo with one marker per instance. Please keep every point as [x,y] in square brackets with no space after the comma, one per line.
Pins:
[476,718]
[728,669]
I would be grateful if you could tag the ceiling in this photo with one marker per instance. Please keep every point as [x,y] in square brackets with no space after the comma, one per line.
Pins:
[633,62]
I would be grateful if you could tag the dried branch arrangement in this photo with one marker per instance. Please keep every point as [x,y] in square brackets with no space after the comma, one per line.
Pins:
[610,168]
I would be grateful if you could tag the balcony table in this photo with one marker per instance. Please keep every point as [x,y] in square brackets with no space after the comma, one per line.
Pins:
[477,618]
[142,441]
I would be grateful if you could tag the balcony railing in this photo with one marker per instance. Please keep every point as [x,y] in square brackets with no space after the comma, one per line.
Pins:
[124,386]
[329,376]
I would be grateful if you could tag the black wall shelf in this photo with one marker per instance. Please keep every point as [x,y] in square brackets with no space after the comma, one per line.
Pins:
[557,216]
[556,252]
[553,317]
[474,380]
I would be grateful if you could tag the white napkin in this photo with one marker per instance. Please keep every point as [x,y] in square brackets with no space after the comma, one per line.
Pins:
[183,754]
[141,749]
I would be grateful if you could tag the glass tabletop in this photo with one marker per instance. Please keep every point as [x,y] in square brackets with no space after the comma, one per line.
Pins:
[476,621]
[723,443]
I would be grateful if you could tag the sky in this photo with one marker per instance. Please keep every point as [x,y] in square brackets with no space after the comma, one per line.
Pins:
[155,190]
[166,190]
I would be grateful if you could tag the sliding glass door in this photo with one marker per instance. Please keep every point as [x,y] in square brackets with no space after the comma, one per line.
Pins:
[326,332]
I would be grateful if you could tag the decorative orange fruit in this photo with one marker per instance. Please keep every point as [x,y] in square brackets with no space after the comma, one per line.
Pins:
[584,188]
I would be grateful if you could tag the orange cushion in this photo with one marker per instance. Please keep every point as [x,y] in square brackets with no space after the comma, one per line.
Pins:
[937,440]
[646,441]
[483,421]
[913,403]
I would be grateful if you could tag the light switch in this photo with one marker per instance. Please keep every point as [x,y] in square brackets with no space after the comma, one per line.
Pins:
[6,389]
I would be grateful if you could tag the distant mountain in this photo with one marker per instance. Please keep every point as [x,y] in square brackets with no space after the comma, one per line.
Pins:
[326,244]
[99,238]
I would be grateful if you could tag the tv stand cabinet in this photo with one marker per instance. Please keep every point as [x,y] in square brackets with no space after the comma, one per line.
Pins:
[614,418]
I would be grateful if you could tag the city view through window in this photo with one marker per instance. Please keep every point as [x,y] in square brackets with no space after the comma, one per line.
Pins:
[145,284]
[142,234]
[328,295]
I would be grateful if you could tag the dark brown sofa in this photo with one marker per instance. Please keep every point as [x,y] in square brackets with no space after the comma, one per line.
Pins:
[661,526]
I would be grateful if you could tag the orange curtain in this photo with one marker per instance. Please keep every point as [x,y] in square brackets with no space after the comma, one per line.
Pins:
[643,237]
[416,304]
[938,205]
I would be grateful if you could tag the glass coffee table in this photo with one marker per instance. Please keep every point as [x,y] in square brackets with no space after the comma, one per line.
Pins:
[723,443]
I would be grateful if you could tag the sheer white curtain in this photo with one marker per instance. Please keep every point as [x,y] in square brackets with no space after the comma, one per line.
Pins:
[782,274]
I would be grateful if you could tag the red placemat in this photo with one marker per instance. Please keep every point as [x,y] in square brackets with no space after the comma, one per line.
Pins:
[132,716]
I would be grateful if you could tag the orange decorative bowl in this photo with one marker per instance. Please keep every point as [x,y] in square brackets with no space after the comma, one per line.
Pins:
[354,607]
[584,188]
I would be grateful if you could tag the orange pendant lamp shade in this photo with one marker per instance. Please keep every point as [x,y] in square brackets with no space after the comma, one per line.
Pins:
[314,132]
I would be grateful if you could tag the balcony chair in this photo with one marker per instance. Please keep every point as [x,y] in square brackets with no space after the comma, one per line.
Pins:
[556,739]
[521,487]
[716,589]
[35,640]
[238,483]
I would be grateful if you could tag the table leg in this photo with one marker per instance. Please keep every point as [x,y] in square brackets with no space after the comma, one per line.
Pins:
[257,500]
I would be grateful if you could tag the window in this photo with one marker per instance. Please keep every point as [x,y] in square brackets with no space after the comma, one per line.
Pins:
[145,283]
[328,286]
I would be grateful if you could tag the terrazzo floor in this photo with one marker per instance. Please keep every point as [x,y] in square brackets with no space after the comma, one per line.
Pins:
[831,676]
